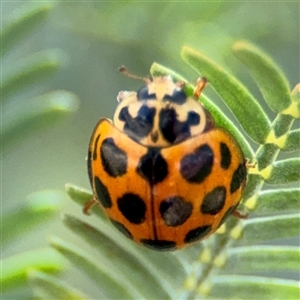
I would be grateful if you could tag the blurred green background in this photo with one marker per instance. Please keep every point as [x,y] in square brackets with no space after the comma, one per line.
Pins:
[96,38]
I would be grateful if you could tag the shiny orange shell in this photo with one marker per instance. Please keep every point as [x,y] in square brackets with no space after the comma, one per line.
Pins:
[166,198]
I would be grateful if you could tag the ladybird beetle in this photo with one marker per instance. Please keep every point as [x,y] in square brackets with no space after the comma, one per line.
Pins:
[163,173]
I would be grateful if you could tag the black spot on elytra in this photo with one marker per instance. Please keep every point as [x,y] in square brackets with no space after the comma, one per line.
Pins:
[197,166]
[89,167]
[132,207]
[114,159]
[178,97]
[238,177]
[173,130]
[160,245]
[175,211]
[225,156]
[140,126]
[95,150]
[102,193]
[214,201]
[143,94]
[197,234]
[152,166]
[227,214]
[122,228]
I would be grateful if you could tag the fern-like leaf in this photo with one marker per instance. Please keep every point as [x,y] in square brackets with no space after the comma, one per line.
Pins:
[20,115]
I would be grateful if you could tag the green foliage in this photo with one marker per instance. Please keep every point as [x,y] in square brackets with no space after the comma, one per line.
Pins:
[238,99]
[270,79]
[49,287]
[39,207]
[262,258]
[134,267]
[278,201]
[254,287]
[112,286]
[20,116]
[14,269]
[233,263]
[22,23]
[226,265]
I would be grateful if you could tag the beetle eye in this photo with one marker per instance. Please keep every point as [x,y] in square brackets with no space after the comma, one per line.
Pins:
[178,97]
[143,94]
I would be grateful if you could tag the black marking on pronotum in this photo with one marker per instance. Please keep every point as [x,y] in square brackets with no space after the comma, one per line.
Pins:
[140,126]
[173,130]
[143,94]
[154,136]
[178,97]
[114,159]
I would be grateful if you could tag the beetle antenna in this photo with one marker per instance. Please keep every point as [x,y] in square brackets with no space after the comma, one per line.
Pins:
[201,84]
[124,71]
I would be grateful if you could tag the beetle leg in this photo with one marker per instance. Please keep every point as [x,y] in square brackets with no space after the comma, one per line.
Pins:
[240,215]
[250,165]
[88,205]
[201,84]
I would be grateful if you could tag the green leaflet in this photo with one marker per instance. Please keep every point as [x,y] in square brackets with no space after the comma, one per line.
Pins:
[277,201]
[283,171]
[111,284]
[294,108]
[82,196]
[39,208]
[270,228]
[292,142]
[23,22]
[129,261]
[15,268]
[267,153]
[270,79]
[21,119]
[262,258]
[254,287]
[78,194]
[265,156]
[48,287]
[245,108]
[32,71]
